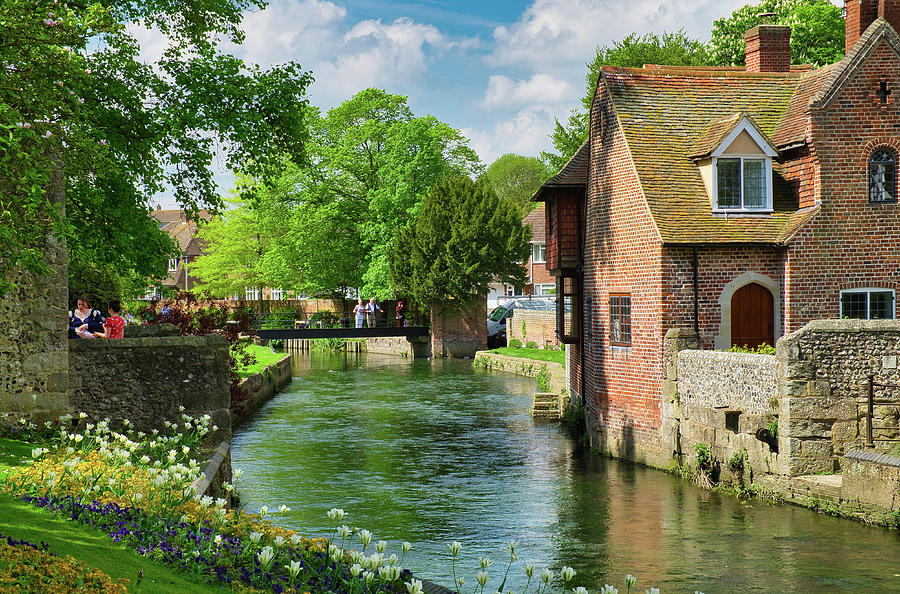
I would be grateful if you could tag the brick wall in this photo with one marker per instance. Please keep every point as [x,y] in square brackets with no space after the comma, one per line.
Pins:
[540,327]
[622,255]
[849,235]
[459,330]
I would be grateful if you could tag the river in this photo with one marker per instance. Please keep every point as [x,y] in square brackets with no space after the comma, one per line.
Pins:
[433,451]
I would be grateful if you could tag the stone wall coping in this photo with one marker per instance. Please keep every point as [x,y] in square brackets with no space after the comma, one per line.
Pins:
[82,345]
[680,333]
[873,457]
[836,325]
[728,356]
[201,484]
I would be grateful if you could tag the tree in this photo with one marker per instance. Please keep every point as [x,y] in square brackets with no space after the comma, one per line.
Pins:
[515,179]
[463,238]
[235,246]
[674,49]
[817,31]
[76,97]
[371,162]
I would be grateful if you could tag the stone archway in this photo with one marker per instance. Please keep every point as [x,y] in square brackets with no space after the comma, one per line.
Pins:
[722,339]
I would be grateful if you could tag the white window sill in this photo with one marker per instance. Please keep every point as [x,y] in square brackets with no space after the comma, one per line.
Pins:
[744,212]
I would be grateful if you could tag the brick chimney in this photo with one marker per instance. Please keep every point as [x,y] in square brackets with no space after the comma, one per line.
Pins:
[768,48]
[862,13]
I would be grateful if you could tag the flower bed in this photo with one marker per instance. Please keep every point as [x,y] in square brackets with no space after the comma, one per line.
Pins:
[25,567]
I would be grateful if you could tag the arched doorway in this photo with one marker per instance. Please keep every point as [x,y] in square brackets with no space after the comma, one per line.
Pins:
[752,316]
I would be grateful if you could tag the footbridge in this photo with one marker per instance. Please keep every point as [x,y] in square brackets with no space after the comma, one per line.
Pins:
[273,326]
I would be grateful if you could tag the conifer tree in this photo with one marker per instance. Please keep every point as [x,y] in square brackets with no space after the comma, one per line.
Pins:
[463,238]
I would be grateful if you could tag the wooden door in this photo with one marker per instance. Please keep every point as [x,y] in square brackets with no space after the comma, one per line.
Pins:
[752,316]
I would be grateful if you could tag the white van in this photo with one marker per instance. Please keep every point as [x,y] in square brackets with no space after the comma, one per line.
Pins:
[496,322]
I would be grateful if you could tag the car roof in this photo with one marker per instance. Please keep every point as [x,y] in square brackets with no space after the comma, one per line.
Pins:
[530,303]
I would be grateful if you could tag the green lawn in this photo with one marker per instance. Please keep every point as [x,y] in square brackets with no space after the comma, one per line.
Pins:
[535,354]
[22,520]
[264,357]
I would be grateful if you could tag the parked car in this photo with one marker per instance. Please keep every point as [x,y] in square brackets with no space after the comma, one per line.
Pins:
[496,323]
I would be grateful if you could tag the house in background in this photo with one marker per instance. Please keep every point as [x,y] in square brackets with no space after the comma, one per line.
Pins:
[184,233]
[540,280]
[741,203]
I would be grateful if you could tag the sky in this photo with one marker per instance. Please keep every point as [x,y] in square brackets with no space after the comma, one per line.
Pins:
[498,70]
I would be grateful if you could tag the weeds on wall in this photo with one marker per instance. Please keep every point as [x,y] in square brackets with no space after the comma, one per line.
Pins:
[703,473]
[543,379]
[763,349]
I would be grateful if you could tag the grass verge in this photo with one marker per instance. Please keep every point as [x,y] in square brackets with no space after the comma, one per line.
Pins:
[21,520]
[534,354]
[264,357]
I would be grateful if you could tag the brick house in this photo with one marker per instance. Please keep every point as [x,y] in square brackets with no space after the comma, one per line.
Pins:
[741,203]
[184,233]
[540,280]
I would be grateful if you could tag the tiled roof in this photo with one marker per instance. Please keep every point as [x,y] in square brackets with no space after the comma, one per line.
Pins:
[666,113]
[573,173]
[538,222]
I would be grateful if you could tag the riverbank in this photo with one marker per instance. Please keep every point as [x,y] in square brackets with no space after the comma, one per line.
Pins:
[524,366]
[257,388]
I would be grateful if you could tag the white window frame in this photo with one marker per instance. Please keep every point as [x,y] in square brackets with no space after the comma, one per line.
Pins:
[768,154]
[868,291]
[542,288]
[173,264]
[536,249]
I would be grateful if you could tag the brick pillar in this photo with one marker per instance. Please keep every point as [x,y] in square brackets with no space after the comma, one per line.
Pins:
[459,329]
[860,14]
[768,48]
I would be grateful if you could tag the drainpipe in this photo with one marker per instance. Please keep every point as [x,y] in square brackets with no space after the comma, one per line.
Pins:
[696,267]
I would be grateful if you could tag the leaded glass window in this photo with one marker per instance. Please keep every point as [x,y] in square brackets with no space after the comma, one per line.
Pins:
[867,304]
[883,176]
[620,320]
[741,184]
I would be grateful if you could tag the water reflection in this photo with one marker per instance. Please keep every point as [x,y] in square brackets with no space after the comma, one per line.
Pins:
[432,451]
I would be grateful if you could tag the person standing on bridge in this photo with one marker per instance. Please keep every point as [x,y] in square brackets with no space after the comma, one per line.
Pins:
[371,308]
[360,312]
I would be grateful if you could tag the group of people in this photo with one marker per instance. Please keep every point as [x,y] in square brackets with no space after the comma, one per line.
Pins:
[365,312]
[85,322]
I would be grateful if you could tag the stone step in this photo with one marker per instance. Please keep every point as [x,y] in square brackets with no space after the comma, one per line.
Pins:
[826,487]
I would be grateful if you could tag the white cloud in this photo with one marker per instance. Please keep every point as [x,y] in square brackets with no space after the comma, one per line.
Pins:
[503,91]
[563,34]
[525,133]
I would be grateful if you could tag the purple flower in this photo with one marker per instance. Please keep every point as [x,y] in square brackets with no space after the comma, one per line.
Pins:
[48,134]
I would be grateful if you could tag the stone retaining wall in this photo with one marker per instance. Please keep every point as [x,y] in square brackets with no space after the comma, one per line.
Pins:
[540,327]
[521,366]
[411,348]
[261,387]
[717,379]
[871,481]
[146,380]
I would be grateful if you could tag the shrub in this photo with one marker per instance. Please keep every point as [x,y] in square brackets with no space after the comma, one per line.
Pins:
[531,344]
[703,472]
[543,379]
[514,343]
[763,349]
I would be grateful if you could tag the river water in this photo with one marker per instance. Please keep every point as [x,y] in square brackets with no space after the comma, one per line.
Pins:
[433,451]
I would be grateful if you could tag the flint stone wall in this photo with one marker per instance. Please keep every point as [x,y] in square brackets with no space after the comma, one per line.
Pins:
[715,379]
[34,361]
[823,371]
[145,380]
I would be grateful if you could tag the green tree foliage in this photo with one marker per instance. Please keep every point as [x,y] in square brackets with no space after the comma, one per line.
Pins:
[77,97]
[235,247]
[516,178]
[463,238]
[675,49]
[371,162]
[817,31]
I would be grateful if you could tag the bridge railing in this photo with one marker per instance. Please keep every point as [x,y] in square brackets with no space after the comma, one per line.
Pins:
[288,321]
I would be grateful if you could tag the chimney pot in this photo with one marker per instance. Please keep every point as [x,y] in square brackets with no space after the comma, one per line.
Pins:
[768,48]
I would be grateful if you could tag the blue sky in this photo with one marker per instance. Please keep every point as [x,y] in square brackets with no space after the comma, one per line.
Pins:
[500,71]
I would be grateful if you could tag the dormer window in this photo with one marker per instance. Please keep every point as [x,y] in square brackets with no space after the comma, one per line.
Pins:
[735,162]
